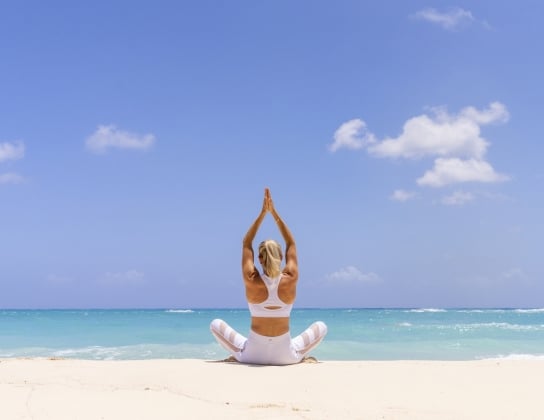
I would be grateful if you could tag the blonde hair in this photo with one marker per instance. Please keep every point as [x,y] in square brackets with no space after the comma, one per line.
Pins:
[270,252]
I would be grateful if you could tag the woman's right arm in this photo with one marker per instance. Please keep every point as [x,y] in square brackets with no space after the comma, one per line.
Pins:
[291,262]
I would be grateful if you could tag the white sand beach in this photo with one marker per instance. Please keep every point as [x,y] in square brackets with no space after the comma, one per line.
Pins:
[40,389]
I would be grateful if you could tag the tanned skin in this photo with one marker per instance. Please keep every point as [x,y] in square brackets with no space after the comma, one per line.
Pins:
[256,291]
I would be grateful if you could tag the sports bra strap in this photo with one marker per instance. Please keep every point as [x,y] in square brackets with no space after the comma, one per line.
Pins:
[273,306]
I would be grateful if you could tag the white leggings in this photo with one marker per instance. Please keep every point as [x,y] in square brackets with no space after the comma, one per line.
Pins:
[262,350]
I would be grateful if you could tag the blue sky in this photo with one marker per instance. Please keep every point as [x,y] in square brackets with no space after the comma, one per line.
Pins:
[401,142]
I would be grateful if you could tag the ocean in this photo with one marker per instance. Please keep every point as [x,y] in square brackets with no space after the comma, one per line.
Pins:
[354,334]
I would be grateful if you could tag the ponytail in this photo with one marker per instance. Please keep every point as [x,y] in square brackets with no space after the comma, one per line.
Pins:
[270,252]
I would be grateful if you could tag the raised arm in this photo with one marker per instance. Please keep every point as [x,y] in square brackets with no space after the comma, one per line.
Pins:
[291,262]
[249,270]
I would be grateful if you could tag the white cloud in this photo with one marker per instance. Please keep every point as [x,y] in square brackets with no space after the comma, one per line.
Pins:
[442,134]
[130,277]
[353,135]
[12,151]
[454,170]
[458,198]
[447,20]
[351,274]
[496,112]
[109,136]
[11,178]
[453,139]
[402,195]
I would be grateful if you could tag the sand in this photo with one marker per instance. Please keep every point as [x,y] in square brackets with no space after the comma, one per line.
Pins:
[40,389]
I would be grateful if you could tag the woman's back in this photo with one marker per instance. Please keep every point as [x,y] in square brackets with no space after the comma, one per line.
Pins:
[270,298]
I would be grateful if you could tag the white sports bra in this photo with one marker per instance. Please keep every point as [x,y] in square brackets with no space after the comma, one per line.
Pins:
[263,309]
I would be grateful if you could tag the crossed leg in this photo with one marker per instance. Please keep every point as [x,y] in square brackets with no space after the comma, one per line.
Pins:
[234,342]
[310,338]
[229,338]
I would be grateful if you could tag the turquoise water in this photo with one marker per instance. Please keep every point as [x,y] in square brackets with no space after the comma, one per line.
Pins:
[354,334]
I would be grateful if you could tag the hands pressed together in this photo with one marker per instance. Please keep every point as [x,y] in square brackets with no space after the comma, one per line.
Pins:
[268,204]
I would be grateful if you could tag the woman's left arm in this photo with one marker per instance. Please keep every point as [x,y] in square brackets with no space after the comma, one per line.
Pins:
[248,258]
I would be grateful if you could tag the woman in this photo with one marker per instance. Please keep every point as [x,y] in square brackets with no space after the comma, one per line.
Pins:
[270,297]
